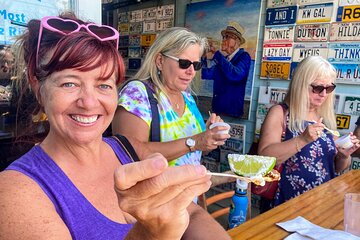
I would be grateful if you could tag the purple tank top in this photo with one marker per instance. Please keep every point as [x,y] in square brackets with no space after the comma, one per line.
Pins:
[82,219]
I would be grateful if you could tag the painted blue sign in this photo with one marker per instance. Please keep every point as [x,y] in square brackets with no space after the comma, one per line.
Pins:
[14,15]
[284,15]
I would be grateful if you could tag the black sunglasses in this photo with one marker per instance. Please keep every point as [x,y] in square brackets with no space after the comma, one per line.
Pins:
[319,88]
[184,63]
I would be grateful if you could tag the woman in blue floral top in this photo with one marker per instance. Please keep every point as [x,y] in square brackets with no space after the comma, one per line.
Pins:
[307,151]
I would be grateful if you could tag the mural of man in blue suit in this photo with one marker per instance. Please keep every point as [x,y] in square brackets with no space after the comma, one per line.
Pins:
[229,68]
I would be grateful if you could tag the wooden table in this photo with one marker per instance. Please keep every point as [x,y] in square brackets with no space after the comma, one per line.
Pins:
[323,205]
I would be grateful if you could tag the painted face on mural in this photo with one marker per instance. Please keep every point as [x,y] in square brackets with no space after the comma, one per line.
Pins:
[229,43]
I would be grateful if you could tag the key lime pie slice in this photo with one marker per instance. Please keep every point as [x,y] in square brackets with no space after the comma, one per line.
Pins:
[257,168]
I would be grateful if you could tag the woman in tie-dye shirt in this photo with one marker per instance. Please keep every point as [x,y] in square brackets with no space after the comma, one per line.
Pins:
[169,68]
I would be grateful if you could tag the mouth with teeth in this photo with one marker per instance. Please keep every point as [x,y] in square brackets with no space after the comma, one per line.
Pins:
[85,120]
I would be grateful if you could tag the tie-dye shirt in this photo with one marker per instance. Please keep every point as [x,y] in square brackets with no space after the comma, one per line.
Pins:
[133,97]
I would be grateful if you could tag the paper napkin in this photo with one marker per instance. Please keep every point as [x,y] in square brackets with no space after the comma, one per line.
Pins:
[304,230]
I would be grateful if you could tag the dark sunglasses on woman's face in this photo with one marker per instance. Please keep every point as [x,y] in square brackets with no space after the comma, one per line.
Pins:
[184,63]
[319,88]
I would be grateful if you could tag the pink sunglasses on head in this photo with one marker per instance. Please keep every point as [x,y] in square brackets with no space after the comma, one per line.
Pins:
[68,26]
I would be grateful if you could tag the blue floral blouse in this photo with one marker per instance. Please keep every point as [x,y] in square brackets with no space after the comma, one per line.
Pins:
[307,169]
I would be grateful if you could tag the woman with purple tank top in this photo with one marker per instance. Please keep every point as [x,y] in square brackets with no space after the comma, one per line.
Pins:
[75,184]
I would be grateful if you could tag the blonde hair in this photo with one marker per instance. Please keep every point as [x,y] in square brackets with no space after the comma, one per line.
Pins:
[297,98]
[172,41]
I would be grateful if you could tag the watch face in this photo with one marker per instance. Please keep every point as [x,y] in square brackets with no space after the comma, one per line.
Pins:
[190,142]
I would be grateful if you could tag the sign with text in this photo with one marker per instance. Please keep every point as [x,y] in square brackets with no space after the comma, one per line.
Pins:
[344,52]
[277,34]
[304,50]
[355,163]
[284,15]
[277,95]
[14,15]
[277,52]
[348,14]
[123,28]
[345,31]
[147,39]
[312,32]
[308,2]
[352,105]
[161,25]
[343,121]
[165,11]
[349,2]
[278,70]
[282,3]
[347,73]
[149,26]
[315,13]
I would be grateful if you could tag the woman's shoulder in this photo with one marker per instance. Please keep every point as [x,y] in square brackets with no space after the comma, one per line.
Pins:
[133,84]
[277,109]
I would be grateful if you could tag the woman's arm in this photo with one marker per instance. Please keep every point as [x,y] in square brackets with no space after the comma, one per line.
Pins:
[270,137]
[343,156]
[137,131]
[26,212]
[357,134]
[203,226]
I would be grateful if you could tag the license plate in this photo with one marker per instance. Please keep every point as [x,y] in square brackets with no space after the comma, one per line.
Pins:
[136,16]
[135,28]
[278,34]
[345,31]
[343,121]
[349,2]
[147,39]
[123,28]
[277,52]
[282,3]
[312,32]
[301,51]
[163,24]
[277,95]
[348,14]
[149,14]
[134,40]
[344,52]
[355,164]
[284,15]
[308,2]
[347,73]
[149,26]
[237,131]
[315,13]
[278,70]
[352,105]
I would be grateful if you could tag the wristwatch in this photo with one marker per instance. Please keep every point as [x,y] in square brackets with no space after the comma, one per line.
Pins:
[191,144]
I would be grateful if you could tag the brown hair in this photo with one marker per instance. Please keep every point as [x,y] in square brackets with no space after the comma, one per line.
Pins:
[79,50]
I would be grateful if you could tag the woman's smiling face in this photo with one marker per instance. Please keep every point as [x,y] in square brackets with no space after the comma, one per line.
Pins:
[79,105]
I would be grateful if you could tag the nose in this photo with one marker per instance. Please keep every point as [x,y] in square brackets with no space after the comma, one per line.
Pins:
[87,98]
[190,70]
[323,92]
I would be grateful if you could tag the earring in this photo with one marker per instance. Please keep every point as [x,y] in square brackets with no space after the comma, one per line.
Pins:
[158,72]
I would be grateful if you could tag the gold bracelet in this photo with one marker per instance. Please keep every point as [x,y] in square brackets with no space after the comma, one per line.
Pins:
[298,149]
